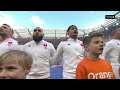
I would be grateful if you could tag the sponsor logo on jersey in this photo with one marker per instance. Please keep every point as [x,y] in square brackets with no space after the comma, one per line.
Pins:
[45,46]
[100,75]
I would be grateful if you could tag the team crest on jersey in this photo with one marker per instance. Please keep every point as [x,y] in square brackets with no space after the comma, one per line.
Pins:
[9,43]
[81,44]
[45,46]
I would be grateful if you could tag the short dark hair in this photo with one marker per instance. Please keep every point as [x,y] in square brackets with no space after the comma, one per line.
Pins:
[10,27]
[87,39]
[7,25]
[37,27]
[92,32]
[70,27]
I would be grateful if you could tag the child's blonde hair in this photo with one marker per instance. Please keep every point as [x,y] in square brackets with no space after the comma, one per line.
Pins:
[16,56]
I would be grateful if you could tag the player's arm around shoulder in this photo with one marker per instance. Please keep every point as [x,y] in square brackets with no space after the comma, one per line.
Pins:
[57,57]
[52,49]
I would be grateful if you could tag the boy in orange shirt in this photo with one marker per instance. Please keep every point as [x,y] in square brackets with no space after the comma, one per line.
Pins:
[93,67]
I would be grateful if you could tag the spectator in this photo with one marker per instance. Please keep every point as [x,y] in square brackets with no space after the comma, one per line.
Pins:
[15,64]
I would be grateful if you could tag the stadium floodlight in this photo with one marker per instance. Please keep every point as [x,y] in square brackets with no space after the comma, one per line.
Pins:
[113,25]
[106,28]
[117,23]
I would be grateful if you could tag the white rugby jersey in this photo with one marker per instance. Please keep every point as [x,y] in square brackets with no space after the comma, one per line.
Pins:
[70,53]
[111,51]
[8,44]
[41,53]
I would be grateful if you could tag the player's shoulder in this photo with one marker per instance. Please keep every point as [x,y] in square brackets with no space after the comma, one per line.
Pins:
[111,42]
[30,42]
[79,41]
[11,39]
[63,42]
[44,41]
[83,62]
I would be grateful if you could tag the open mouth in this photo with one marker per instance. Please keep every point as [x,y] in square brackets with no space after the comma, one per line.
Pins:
[75,32]
[37,35]
[101,49]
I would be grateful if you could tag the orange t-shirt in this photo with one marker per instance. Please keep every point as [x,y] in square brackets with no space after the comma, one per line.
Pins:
[94,69]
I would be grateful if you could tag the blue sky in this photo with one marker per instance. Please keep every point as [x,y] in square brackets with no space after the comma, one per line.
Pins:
[53,19]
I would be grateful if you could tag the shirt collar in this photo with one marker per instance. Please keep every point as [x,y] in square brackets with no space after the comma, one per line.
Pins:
[71,39]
